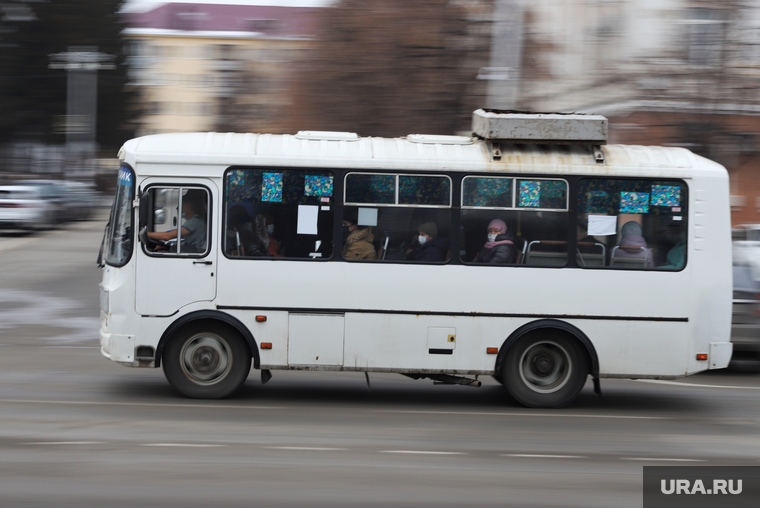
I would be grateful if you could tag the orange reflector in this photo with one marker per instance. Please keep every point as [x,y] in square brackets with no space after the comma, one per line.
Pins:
[261,319]
[266,345]
[492,350]
[702,357]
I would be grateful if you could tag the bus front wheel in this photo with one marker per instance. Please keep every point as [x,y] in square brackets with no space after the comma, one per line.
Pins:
[206,362]
[545,370]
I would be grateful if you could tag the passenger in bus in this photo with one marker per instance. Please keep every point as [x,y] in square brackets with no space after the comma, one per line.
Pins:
[500,247]
[676,256]
[429,246]
[194,227]
[267,230]
[358,240]
[633,244]
[245,239]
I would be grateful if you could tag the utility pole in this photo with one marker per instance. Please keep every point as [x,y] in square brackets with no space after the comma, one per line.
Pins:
[503,71]
[82,64]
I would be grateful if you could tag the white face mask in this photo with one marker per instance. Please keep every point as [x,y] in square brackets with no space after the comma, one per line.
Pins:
[422,239]
[270,228]
[492,237]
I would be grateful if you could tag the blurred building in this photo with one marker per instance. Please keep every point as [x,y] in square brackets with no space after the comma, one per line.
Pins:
[216,66]
[666,72]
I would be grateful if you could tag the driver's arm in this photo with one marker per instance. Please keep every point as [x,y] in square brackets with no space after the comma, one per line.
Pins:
[167,235]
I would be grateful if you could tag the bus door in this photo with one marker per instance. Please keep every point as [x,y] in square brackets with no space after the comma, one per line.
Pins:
[176,258]
[315,339]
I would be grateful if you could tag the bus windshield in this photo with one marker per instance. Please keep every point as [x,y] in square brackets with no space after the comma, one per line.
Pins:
[119,235]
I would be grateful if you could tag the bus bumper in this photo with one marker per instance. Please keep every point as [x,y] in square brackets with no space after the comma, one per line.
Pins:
[720,354]
[118,348]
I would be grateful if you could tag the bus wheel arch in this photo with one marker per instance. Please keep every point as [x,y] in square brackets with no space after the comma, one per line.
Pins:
[194,318]
[546,363]
[206,357]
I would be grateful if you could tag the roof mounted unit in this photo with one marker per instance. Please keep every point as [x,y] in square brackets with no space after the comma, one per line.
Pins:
[539,128]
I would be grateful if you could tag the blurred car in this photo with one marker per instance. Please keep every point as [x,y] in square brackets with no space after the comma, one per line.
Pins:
[25,207]
[745,321]
[53,192]
[80,200]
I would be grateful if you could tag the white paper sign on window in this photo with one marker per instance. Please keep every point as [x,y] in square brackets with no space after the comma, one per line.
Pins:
[602,225]
[367,217]
[307,219]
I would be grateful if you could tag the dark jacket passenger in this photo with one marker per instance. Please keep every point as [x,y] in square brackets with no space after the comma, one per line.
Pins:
[432,250]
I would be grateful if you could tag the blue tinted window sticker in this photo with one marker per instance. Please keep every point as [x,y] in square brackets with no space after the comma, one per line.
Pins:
[318,185]
[530,193]
[271,187]
[666,195]
[634,202]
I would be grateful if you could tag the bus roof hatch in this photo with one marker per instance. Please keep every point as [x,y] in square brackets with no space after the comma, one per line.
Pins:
[539,128]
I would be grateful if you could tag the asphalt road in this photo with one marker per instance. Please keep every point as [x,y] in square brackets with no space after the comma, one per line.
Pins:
[77,430]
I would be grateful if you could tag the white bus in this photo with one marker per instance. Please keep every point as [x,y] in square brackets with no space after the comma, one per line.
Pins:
[531,251]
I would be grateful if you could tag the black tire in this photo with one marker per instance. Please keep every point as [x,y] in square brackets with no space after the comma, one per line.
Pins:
[545,370]
[207,361]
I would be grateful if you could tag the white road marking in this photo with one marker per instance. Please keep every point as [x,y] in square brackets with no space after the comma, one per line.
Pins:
[556,415]
[306,448]
[675,383]
[132,404]
[68,347]
[185,445]
[421,452]
[536,456]
[42,443]
[661,460]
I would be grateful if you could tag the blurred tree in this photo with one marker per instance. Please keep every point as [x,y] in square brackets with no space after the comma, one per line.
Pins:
[385,68]
[32,96]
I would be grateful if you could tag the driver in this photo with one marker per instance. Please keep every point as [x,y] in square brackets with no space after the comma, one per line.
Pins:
[194,227]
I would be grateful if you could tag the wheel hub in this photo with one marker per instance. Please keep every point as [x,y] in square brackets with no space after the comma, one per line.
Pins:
[545,367]
[206,359]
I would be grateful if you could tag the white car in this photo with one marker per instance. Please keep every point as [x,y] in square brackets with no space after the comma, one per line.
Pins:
[25,207]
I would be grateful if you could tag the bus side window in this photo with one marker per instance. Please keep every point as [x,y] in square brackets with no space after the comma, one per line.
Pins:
[278,213]
[646,219]
[397,217]
[177,224]
[511,221]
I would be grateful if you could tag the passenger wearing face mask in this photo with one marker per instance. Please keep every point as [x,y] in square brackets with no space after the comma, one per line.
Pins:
[358,240]
[265,230]
[500,247]
[430,247]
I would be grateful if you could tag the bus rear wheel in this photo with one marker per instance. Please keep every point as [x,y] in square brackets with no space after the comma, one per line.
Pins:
[545,370]
[206,362]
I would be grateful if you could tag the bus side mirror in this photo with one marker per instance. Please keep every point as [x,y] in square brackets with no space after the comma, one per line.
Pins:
[146,205]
